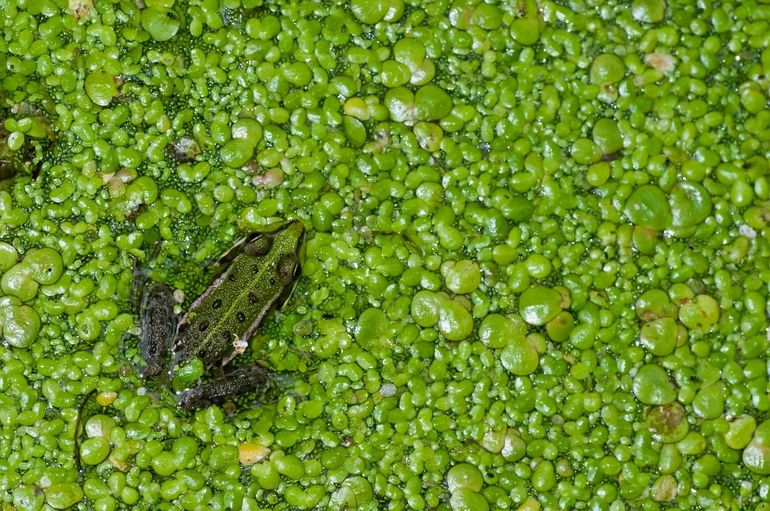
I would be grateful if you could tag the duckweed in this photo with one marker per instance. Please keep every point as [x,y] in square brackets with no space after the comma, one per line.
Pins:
[700,313]
[536,273]
[660,336]
[461,276]
[538,305]
[709,402]
[45,265]
[432,103]
[756,455]
[668,423]
[160,23]
[235,153]
[607,137]
[740,431]
[648,207]
[648,11]
[497,331]
[8,256]
[100,87]
[690,204]
[519,357]
[607,69]
[20,325]
[94,450]
[454,320]
[18,282]
[464,476]
[652,386]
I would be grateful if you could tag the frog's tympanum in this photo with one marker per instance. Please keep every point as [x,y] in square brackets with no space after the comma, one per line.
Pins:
[257,274]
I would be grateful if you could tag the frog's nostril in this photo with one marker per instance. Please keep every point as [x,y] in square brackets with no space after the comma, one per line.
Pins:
[241,316]
[217,303]
[203,326]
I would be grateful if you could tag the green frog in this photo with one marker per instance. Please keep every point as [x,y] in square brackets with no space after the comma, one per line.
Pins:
[256,275]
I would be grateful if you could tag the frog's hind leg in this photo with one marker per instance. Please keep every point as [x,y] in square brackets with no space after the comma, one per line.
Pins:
[243,380]
[158,324]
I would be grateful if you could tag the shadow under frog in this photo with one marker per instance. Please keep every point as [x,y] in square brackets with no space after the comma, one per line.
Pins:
[257,275]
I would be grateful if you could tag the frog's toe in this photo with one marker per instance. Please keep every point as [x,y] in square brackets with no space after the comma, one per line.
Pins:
[152,370]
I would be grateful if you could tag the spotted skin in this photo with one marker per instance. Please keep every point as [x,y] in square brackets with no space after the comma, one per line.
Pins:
[258,274]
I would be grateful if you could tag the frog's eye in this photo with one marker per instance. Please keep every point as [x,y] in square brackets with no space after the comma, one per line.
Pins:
[259,246]
[286,266]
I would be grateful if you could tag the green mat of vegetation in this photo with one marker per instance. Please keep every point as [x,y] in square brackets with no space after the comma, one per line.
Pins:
[536,271]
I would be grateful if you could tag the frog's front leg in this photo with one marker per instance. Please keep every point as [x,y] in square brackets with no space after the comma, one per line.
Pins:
[240,381]
[158,324]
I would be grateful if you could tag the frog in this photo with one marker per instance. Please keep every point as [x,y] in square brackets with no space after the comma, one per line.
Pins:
[255,276]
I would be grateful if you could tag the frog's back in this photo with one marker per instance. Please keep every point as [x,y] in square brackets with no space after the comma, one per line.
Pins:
[221,321]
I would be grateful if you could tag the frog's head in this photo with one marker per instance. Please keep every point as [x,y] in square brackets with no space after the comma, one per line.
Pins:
[289,242]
